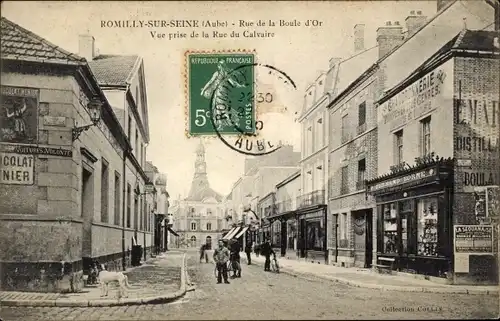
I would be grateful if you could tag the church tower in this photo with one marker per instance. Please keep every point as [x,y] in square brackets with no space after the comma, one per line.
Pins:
[200,188]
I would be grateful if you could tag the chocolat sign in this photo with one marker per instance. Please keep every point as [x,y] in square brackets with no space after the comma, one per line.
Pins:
[16,169]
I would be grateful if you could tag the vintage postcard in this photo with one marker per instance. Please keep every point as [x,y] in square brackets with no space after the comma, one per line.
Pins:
[253,160]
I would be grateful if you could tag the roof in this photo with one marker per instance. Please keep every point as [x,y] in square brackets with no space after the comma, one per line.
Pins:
[289,179]
[21,44]
[466,40]
[114,70]
[199,195]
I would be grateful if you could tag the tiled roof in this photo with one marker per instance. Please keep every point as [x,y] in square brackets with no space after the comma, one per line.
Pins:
[480,40]
[113,70]
[20,44]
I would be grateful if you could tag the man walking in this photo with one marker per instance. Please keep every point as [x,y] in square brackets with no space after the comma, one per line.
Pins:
[203,253]
[235,259]
[248,251]
[267,250]
[221,256]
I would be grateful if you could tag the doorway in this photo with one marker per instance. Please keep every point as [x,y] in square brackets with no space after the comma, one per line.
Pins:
[369,238]
[302,238]
[362,228]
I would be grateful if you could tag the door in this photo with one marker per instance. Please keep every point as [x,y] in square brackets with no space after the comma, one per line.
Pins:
[302,238]
[284,238]
[369,239]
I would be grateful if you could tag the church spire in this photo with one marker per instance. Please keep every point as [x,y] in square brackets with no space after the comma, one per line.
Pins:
[200,188]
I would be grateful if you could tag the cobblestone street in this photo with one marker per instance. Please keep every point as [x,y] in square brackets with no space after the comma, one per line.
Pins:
[260,295]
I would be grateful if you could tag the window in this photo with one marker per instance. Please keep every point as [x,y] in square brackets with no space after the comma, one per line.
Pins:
[129,196]
[315,238]
[310,140]
[193,226]
[344,183]
[390,227]
[136,211]
[117,199]
[361,118]
[209,226]
[319,133]
[191,210]
[426,136]
[276,234]
[427,226]
[209,211]
[104,191]
[292,234]
[361,174]
[345,129]
[193,241]
[129,130]
[399,146]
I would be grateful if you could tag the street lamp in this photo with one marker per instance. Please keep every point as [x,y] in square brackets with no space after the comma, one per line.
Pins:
[94,107]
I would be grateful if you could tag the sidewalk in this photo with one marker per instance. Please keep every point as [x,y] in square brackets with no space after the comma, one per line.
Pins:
[366,278]
[158,280]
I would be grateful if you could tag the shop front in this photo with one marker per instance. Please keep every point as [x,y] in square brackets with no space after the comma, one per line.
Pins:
[312,234]
[414,218]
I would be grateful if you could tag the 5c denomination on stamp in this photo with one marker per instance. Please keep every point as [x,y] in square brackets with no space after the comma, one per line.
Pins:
[210,81]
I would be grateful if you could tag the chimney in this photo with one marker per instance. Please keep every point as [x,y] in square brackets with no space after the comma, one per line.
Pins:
[414,21]
[359,38]
[86,47]
[388,37]
[442,3]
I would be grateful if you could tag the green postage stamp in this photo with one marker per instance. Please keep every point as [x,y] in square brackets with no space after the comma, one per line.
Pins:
[220,93]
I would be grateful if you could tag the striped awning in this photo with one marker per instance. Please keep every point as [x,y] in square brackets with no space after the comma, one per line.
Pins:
[230,233]
[241,232]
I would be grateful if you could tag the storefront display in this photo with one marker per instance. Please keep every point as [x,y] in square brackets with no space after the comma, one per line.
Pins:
[427,228]
[314,236]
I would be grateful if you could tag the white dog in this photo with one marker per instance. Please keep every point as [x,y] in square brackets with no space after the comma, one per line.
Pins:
[105,277]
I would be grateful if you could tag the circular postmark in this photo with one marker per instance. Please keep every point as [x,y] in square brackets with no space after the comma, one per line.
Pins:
[259,102]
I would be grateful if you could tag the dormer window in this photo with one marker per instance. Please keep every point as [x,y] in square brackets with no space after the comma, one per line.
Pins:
[321,82]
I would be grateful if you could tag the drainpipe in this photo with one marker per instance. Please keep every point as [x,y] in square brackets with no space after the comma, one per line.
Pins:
[124,175]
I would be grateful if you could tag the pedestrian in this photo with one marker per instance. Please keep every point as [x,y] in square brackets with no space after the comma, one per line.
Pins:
[235,259]
[267,251]
[221,257]
[256,249]
[248,251]
[203,253]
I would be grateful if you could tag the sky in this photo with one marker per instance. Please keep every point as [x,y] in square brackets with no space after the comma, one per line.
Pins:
[301,52]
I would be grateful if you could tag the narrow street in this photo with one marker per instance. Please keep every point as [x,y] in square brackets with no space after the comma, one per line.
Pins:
[264,295]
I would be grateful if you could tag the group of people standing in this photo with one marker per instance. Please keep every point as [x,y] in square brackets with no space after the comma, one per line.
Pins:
[229,251]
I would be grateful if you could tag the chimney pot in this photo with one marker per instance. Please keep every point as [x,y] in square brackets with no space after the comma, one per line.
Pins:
[388,23]
[396,23]
[412,12]
[419,12]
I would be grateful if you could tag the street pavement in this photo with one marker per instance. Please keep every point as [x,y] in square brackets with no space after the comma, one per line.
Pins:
[260,295]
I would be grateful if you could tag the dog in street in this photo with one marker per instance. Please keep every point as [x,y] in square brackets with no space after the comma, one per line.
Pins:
[105,277]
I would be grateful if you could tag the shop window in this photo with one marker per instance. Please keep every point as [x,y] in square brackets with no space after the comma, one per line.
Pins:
[292,234]
[398,147]
[344,183]
[390,216]
[361,174]
[276,234]
[427,236]
[406,216]
[315,239]
[426,136]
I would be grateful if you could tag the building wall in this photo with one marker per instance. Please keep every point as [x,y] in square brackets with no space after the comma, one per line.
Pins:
[477,83]
[289,191]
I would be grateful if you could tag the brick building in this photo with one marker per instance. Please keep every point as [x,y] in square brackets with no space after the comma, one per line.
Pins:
[441,127]
[63,144]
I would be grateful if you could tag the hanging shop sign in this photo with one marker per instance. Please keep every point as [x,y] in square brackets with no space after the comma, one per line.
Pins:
[410,178]
[471,239]
[18,115]
[17,169]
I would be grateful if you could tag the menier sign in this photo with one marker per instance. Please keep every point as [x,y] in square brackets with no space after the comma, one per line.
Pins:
[403,179]
[17,169]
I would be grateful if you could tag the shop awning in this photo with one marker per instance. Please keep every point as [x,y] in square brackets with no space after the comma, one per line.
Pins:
[172,231]
[230,233]
[241,232]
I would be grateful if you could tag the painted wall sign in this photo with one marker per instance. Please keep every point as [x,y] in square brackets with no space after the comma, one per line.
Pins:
[414,101]
[17,169]
[403,179]
[39,150]
[471,179]
[473,239]
[18,115]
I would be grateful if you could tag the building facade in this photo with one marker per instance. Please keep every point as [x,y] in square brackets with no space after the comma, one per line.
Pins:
[442,121]
[199,218]
[64,144]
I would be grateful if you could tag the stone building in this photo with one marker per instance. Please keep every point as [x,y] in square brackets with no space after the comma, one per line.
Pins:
[63,144]
[354,136]
[199,217]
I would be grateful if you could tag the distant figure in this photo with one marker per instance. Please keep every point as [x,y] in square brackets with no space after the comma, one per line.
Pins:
[235,259]
[267,250]
[221,257]
[248,251]
[203,253]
